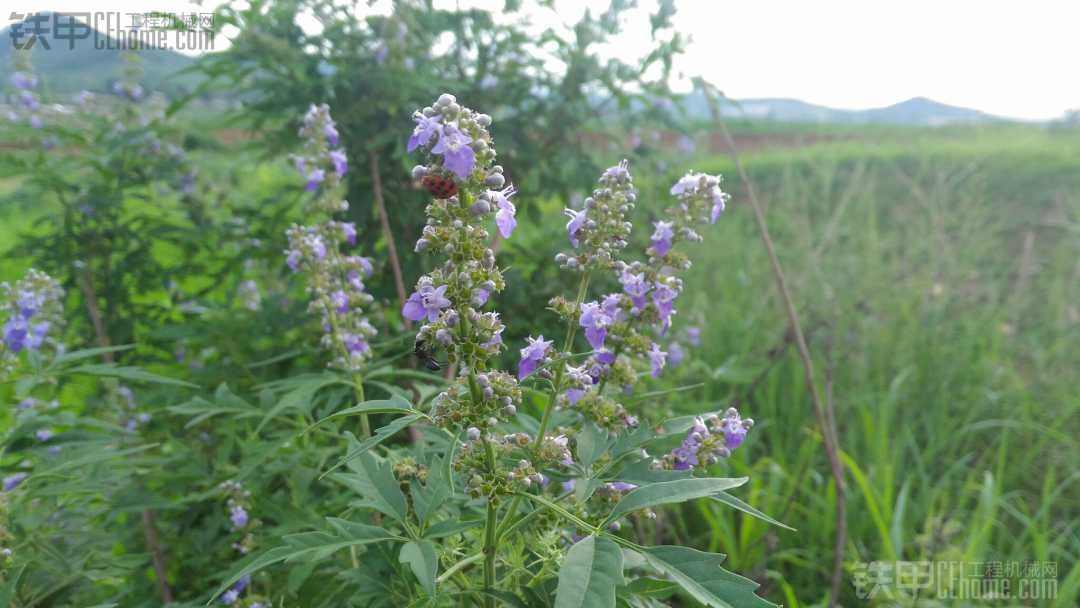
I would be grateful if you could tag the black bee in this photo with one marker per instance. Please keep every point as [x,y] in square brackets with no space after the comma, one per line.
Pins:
[427,355]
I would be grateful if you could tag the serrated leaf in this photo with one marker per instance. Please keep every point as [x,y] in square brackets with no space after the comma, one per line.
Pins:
[375,481]
[589,574]
[666,492]
[423,561]
[381,435]
[700,575]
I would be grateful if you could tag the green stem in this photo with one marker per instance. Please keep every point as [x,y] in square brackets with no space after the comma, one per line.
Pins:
[452,570]
[489,553]
[358,390]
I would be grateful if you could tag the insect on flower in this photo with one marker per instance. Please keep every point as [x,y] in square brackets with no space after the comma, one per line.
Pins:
[426,355]
[439,186]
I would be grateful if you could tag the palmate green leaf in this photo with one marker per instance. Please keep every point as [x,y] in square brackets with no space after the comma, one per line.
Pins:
[375,481]
[357,449]
[309,546]
[700,575]
[393,405]
[422,559]
[666,492]
[133,374]
[589,574]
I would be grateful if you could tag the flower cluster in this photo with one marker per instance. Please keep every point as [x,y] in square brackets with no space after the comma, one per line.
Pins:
[616,326]
[469,190]
[32,313]
[238,506]
[600,230]
[27,106]
[335,280]
[710,438]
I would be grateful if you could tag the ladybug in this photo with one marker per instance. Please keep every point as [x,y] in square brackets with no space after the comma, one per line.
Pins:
[439,186]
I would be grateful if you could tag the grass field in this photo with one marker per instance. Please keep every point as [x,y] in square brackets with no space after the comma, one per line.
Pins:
[938,274]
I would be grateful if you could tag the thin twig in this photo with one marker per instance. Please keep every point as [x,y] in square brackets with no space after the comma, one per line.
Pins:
[384,220]
[828,433]
[153,542]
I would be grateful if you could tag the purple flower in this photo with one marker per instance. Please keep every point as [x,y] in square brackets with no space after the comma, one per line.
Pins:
[426,301]
[567,486]
[349,230]
[657,358]
[12,481]
[341,162]
[676,354]
[238,516]
[480,296]
[331,133]
[686,184]
[426,128]
[605,357]
[355,344]
[314,178]
[693,334]
[35,122]
[532,354]
[595,320]
[23,81]
[661,238]
[26,404]
[612,305]
[635,286]
[573,227]
[504,217]
[457,155]
[229,597]
[561,441]
[734,429]
[663,297]
[242,583]
[293,259]
[718,200]
[44,435]
[573,395]
[340,300]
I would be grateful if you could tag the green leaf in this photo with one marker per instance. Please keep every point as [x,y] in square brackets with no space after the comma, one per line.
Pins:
[394,405]
[380,436]
[375,481]
[592,441]
[731,501]
[87,353]
[423,561]
[700,575]
[309,546]
[665,492]
[133,374]
[591,571]
[435,491]
[651,588]
[451,527]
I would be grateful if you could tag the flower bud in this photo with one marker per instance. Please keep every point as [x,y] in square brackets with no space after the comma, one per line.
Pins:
[419,171]
[495,180]
[473,433]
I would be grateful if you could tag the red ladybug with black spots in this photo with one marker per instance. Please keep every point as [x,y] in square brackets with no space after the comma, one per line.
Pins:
[439,186]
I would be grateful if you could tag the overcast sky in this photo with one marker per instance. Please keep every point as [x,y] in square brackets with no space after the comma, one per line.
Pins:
[1011,58]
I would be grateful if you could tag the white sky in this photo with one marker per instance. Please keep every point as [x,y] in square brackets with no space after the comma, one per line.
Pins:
[1011,58]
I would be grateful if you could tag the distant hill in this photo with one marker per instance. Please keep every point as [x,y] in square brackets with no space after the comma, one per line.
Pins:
[64,70]
[917,111]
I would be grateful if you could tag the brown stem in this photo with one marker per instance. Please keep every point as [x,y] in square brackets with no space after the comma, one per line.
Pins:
[153,542]
[384,220]
[828,430]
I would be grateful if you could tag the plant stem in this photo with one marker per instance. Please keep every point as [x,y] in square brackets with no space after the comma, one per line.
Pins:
[489,552]
[452,570]
[825,422]
[388,234]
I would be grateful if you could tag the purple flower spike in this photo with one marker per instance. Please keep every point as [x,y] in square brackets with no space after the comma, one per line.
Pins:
[595,321]
[573,227]
[331,133]
[533,354]
[505,217]
[661,238]
[426,128]
[457,155]
[341,162]
[657,358]
[13,481]
[425,302]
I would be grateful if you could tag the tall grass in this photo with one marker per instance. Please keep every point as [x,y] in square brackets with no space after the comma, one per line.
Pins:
[938,277]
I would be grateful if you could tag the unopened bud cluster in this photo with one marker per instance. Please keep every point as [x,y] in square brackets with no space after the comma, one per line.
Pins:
[599,231]
[709,439]
[334,280]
